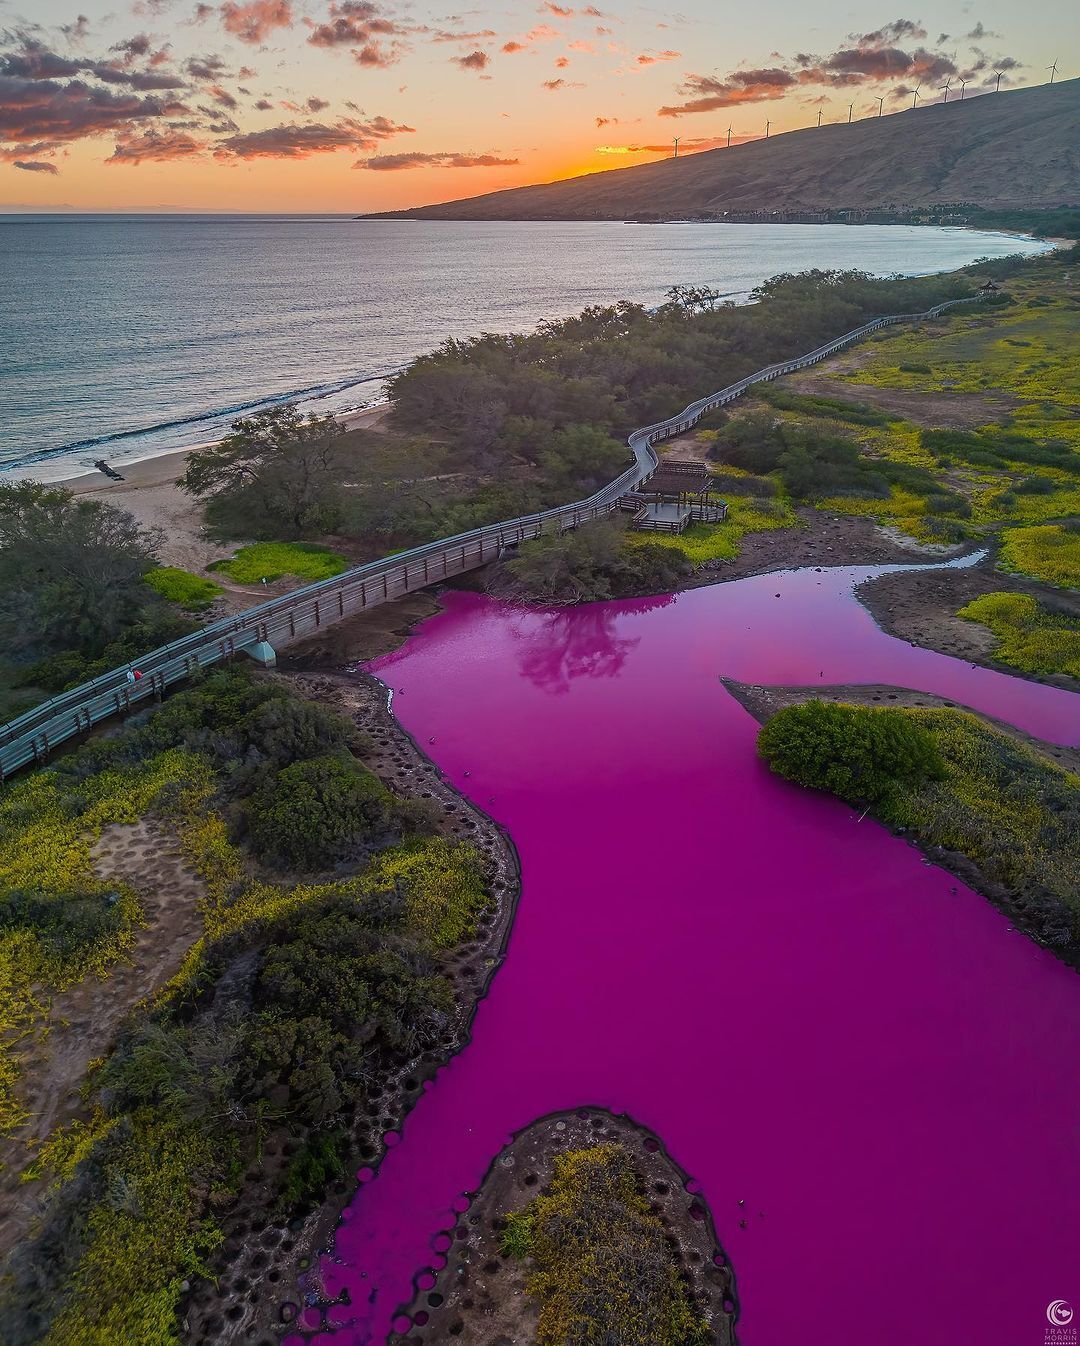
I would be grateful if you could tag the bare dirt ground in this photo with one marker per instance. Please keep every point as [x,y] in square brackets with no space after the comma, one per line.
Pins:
[84,1020]
[921,606]
[266,1257]
[480,1297]
[940,411]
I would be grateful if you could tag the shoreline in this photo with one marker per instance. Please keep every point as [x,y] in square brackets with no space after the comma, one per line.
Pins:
[372,413]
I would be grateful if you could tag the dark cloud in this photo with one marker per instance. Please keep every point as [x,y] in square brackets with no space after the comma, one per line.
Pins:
[35,166]
[300,142]
[264,105]
[154,146]
[390,163]
[317,104]
[77,31]
[254,21]
[206,67]
[476,60]
[899,30]
[222,96]
[706,93]
[58,113]
[352,23]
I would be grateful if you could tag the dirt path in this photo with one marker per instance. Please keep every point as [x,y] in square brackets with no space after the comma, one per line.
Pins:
[83,1021]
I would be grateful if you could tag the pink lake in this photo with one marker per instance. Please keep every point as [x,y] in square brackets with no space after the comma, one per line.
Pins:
[815,1021]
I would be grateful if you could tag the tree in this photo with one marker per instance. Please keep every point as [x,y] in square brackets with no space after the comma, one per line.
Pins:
[860,753]
[71,570]
[278,466]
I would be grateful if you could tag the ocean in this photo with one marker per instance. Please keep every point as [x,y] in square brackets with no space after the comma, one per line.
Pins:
[124,337]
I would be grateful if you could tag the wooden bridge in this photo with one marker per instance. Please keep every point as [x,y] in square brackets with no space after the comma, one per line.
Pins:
[262,629]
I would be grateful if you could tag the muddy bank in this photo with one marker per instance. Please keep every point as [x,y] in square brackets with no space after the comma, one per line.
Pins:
[266,1255]
[920,607]
[764,702]
[479,1297]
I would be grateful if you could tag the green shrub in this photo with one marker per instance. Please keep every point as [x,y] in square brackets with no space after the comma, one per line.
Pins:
[594,562]
[194,592]
[856,752]
[312,812]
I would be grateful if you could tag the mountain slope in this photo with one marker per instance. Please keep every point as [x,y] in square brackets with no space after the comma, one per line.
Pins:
[1020,148]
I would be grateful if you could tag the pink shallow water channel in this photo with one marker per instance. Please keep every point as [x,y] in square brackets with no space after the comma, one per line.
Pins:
[815,1021]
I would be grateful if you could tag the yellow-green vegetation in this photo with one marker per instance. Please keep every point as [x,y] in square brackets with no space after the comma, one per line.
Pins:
[442,884]
[1022,465]
[330,985]
[601,1267]
[701,542]
[270,560]
[949,779]
[193,592]
[1048,552]
[59,922]
[1029,636]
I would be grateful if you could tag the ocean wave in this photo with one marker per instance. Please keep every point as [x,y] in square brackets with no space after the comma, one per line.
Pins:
[315,393]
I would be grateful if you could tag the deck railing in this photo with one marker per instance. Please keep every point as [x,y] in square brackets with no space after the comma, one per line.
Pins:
[32,736]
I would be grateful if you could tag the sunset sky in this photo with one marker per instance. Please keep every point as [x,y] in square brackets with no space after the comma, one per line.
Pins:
[353,105]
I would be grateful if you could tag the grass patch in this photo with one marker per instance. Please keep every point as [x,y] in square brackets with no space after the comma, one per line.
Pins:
[702,542]
[1047,552]
[271,560]
[1029,637]
[193,592]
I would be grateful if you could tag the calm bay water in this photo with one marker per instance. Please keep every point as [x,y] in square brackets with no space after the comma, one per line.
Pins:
[125,337]
[841,1042]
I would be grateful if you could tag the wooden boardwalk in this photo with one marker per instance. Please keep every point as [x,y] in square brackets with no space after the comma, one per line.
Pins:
[267,626]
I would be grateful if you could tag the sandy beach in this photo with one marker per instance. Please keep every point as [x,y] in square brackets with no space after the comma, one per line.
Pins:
[149,492]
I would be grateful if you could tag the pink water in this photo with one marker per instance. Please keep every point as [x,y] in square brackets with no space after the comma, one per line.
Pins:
[817,1022]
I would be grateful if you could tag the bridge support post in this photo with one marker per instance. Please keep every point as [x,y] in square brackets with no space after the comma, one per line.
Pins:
[263,653]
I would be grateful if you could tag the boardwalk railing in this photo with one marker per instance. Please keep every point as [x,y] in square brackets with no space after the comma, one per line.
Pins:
[32,736]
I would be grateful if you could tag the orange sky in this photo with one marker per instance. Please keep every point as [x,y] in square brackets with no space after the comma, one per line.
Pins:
[354,105]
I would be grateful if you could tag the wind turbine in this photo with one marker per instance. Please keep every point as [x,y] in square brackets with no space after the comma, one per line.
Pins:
[819,116]
[947,83]
[997,86]
[767,125]
[1053,71]
[915,100]
[880,105]
[849,107]
[676,154]
[963,86]
[729,137]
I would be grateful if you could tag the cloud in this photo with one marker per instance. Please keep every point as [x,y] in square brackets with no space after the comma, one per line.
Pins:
[442,35]
[222,96]
[254,21]
[646,59]
[896,31]
[300,142]
[391,163]
[32,60]
[562,62]
[264,105]
[55,113]
[205,67]
[557,10]
[352,23]
[543,32]
[706,93]
[35,166]
[475,60]
[154,146]
[686,146]
[554,84]
[317,104]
